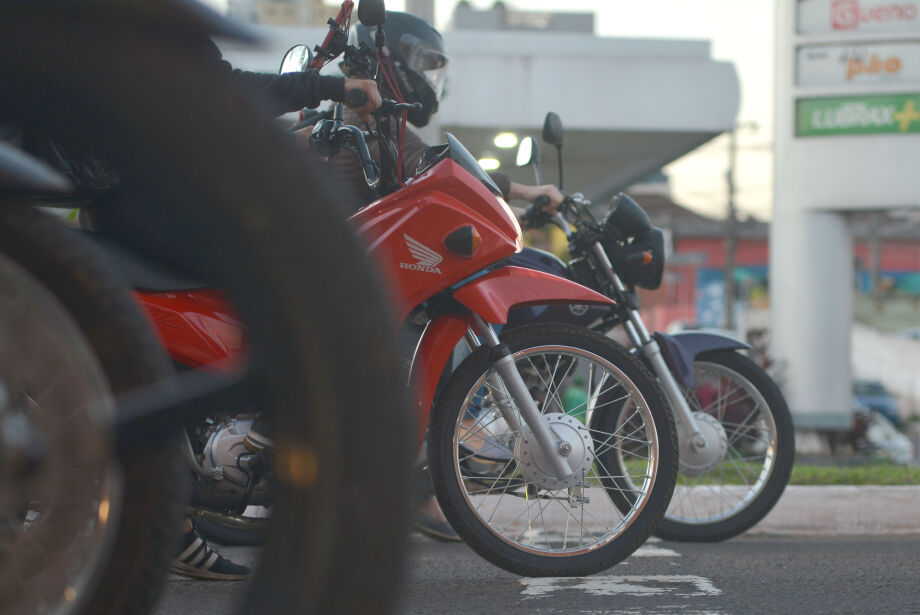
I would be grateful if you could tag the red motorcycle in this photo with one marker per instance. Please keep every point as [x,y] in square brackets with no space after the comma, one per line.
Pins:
[531,481]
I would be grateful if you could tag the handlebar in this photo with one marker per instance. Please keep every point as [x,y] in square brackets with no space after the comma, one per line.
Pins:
[371,173]
[571,204]
[536,216]
[329,135]
[336,38]
[390,107]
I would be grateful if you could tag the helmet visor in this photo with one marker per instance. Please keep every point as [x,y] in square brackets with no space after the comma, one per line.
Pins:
[425,60]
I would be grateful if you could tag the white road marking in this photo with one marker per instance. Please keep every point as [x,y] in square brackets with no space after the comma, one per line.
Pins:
[666,610]
[648,550]
[679,585]
[537,535]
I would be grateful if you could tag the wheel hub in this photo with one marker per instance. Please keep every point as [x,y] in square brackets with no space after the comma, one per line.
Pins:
[573,442]
[698,461]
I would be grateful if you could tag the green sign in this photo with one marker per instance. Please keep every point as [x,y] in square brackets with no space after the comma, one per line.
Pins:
[858,115]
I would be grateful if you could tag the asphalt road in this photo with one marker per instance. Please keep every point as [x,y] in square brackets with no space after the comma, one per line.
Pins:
[750,574]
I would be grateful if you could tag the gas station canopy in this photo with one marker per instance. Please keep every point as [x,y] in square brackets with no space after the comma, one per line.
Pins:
[629,106]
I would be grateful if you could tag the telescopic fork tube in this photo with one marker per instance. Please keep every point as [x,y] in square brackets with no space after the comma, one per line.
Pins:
[503,363]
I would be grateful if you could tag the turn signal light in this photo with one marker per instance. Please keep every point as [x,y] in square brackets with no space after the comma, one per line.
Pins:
[463,241]
[640,258]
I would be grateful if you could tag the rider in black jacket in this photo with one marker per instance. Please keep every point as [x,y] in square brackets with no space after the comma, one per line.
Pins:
[108,211]
[278,94]
[417,52]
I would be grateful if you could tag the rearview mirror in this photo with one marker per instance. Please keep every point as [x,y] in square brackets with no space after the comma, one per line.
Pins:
[372,13]
[296,60]
[528,152]
[552,130]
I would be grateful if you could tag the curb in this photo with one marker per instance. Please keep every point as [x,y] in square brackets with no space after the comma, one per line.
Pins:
[840,510]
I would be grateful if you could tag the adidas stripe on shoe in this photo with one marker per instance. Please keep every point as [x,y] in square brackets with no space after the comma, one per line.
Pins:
[197,560]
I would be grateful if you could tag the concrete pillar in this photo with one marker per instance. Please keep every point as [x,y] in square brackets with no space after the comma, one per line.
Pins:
[811,299]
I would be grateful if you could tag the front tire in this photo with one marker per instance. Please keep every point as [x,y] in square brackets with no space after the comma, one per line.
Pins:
[480,467]
[735,495]
[239,195]
[101,344]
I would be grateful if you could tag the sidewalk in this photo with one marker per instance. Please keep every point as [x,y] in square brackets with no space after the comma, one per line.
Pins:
[839,510]
[831,510]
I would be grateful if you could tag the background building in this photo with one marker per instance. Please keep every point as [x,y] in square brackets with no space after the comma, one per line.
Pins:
[281,12]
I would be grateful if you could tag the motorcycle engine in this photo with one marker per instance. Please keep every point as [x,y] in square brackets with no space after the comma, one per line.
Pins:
[225,449]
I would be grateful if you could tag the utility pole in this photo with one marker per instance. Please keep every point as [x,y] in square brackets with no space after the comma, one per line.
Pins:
[731,226]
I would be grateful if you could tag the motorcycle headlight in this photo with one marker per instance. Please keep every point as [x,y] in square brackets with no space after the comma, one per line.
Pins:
[626,218]
[640,261]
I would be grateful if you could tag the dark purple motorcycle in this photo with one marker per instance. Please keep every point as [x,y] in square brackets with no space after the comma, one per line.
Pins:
[735,432]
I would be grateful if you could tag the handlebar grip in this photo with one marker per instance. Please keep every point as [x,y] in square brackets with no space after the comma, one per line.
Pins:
[391,106]
[355,97]
[535,216]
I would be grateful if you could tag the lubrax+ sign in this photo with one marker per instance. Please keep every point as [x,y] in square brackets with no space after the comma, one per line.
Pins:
[858,115]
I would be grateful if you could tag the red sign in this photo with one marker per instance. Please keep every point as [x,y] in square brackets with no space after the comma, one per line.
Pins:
[851,14]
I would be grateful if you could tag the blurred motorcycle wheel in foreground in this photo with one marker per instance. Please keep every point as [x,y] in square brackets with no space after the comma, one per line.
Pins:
[239,194]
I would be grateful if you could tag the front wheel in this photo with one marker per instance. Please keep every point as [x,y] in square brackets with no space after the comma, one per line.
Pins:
[488,476]
[744,409]
[80,531]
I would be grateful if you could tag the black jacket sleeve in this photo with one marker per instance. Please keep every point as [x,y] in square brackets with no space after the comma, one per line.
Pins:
[279,94]
[503,182]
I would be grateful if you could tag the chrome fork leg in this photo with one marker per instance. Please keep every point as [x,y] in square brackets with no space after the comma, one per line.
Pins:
[495,382]
[506,369]
[672,390]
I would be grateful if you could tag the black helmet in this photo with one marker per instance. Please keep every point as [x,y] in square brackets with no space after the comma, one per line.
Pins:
[417,53]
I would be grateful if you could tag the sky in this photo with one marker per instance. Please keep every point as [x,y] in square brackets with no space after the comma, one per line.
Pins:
[742,32]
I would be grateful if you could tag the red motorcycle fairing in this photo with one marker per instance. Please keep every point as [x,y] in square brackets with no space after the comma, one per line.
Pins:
[431,356]
[198,328]
[489,296]
[492,295]
[405,232]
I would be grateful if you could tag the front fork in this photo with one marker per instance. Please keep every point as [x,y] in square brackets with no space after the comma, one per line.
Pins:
[650,349]
[652,352]
[506,373]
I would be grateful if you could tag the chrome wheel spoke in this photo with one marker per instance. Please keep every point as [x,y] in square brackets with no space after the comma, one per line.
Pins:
[519,506]
[750,438]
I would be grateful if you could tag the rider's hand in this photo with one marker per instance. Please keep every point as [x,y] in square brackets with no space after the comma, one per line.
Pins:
[530,193]
[373,96]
